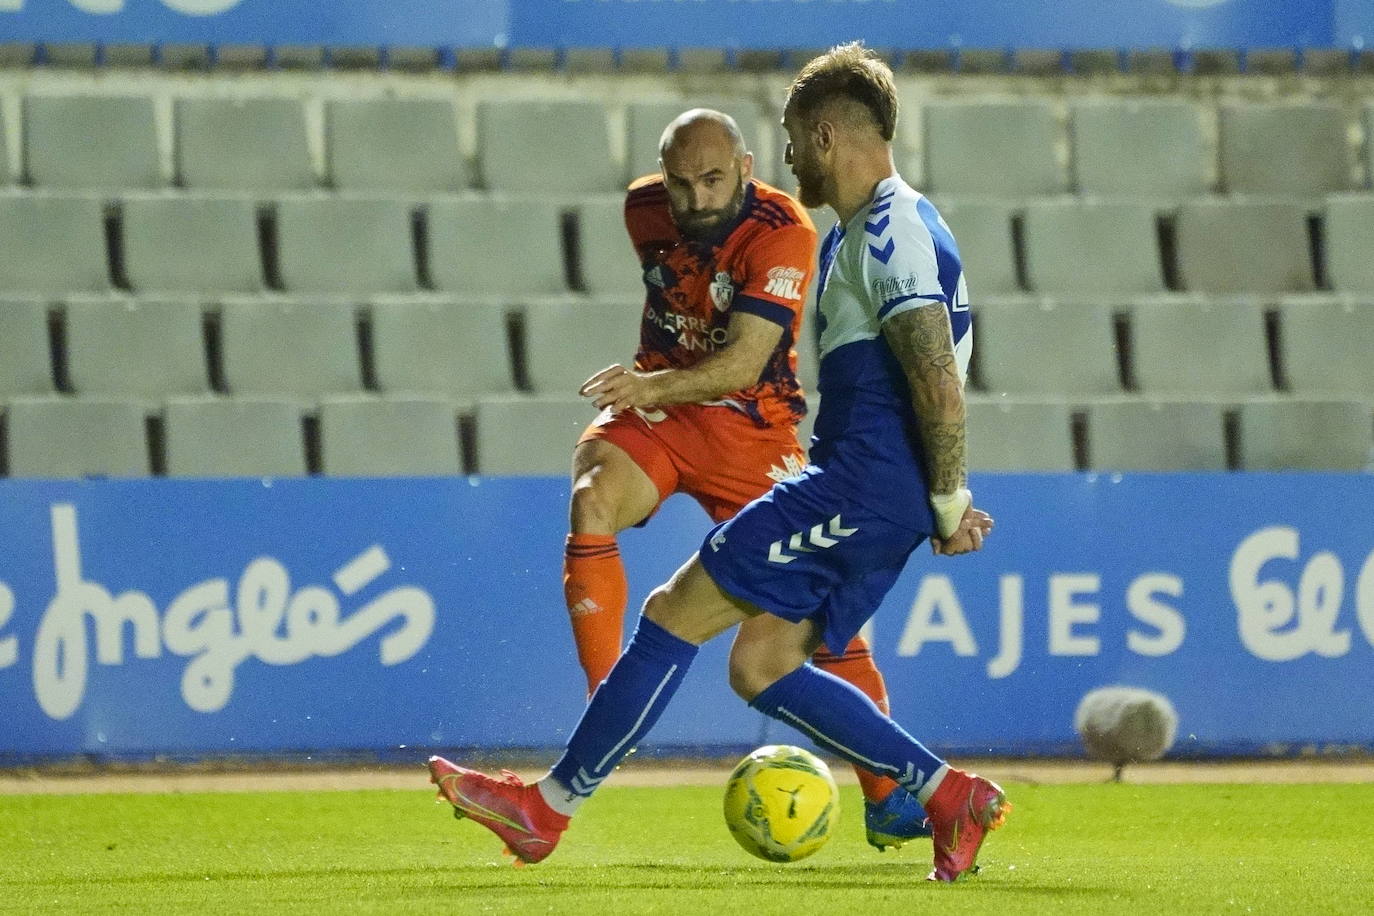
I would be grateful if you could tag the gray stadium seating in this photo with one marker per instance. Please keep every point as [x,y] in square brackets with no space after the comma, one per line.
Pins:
[1091,247]
[4,150]
[566,341]
[388,437]
[1296,149]
[291,349]
[524,435]
[1147,435]
[1327,346]
[1306,434]
[527,146]
[644,123]
[993,148]
[60,438]
[456,349]
[91,141]
[233,437]
[1199,347]
[1046,348]
[983,234]
[355,245]
[52,243]
[243,144]
[1011,435]
[1138,148]
[1238,246]
[1349,229]
[496,246]
[609,263]
[135,348]
[394,145]
[191,242]
[24,366]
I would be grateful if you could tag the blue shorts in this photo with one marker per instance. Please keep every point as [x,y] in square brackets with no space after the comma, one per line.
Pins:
[808,549]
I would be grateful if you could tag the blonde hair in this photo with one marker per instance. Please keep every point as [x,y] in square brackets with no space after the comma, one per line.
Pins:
[848,73]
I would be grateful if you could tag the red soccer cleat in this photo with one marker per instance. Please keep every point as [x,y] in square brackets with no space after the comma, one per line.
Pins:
[962,811]
[515,812]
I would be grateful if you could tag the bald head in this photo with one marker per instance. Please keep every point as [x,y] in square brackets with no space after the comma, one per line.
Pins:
[705,167]
[702,128]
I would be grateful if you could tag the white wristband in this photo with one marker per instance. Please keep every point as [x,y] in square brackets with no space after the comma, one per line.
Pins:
[949,509]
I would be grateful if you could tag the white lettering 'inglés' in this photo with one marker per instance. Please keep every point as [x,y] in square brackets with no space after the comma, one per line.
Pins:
[266,620]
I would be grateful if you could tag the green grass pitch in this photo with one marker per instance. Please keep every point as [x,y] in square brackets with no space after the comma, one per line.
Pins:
[1067,849]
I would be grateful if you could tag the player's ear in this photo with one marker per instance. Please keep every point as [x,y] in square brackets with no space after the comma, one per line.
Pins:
[824,132]
[746,166]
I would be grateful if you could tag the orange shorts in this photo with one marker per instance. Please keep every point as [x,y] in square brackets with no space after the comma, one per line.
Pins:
[714,454]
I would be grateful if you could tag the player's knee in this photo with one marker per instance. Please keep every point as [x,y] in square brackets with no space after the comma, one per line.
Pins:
[593,509]
[752,672]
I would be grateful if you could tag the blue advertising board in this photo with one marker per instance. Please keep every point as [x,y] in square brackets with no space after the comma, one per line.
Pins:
[697,23]
[161,617]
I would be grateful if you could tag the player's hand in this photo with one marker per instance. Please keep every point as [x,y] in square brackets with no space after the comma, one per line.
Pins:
[968,537]
[619,388]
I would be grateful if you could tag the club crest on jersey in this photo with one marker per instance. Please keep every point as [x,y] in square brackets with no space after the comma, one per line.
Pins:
[722,291]
[785,282]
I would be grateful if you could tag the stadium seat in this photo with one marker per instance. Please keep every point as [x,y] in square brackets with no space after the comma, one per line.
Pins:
[808,351]
[1349,229]
[1051,348]
[528,146]
[394,145]
[24,361]
[609,264]
[5,175]
[1148,435]
[455,349]
[244,143]
[135,348]
[993,148]
[644,123]
[1305,434]
[496,246]
[233,437]
[58,438]
[388,437]
[1199,348]
[1138,148]
[1237,246]
[52,243]
[91,141]
[1327,346]
[354,245]
[524,435]
[191,242]
[986,245]
[1012,435]
[1075,247]
[292,349]
[1297,148]
[566,341]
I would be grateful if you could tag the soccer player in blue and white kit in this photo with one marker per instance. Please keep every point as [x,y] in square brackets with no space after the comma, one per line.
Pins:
[809,562]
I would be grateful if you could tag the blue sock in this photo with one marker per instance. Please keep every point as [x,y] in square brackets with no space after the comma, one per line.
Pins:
[623,709]
[841,719]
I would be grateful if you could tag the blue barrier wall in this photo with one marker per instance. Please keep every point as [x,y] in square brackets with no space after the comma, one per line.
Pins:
[187,617]
[692,23]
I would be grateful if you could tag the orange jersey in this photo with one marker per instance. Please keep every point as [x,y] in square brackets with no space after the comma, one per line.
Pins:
[762,265]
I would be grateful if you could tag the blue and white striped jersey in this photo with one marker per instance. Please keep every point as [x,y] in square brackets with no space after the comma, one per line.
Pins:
[894,255]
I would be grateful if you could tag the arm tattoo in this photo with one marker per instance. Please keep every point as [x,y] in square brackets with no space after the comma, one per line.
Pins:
[923,343]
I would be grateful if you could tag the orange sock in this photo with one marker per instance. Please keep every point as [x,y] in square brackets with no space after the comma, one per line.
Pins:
[856,666]
[595,589]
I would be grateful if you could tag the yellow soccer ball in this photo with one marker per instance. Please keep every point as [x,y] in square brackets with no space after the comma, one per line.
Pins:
[781,803]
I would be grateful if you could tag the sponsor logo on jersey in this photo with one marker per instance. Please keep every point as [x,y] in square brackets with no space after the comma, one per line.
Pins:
[654,276]
[891,287]
[722,291]
[785,282]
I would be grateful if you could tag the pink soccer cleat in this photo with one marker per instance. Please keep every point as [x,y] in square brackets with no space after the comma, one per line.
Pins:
[962,811]
[515,812]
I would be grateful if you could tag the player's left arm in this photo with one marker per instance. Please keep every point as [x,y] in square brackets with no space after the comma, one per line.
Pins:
[777,271]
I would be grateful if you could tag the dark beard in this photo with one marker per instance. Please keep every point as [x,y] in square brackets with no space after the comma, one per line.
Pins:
[707,224]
